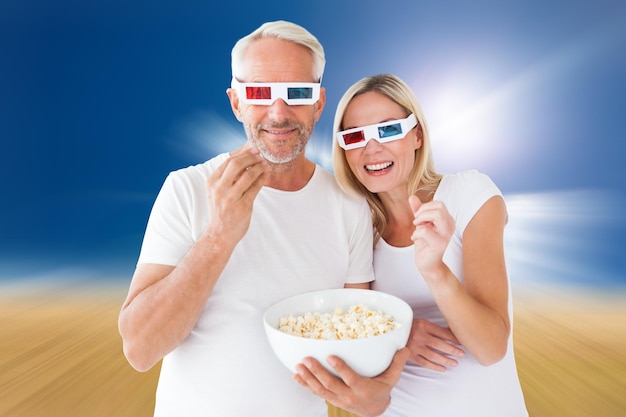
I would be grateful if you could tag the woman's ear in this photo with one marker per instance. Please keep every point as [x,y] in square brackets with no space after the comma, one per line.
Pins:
[419,137]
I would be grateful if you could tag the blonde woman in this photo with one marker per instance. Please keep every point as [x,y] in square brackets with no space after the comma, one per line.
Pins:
[439,246]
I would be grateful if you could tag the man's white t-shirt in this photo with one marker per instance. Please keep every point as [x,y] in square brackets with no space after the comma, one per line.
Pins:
[311,239]
[469,389]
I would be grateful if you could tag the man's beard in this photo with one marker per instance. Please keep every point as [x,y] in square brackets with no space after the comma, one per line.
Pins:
[288,155]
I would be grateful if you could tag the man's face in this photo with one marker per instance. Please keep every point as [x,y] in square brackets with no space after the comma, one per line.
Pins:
[279,131]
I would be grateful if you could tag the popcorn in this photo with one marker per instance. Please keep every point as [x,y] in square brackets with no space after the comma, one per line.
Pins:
[357,323]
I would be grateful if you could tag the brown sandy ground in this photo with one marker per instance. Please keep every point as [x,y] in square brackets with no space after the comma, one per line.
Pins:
[60,355]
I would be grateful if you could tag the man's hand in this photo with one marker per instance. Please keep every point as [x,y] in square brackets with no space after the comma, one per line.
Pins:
[367,397]
[231,191]
[164,302]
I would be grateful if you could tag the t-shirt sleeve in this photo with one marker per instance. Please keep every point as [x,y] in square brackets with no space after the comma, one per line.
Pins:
[361,243]
[168,233]
[468,193]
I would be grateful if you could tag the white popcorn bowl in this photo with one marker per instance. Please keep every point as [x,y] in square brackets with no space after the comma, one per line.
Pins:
[368,356]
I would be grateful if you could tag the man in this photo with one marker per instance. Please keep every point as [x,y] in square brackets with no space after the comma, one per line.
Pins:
[228,238]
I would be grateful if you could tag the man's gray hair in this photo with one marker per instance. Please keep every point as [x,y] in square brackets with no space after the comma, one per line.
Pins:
[282,30]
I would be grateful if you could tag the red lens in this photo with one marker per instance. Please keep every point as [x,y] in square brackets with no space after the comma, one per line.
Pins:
[258,93]
[354,137]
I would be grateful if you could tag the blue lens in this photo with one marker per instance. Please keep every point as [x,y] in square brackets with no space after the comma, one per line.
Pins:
[299,93]
[389,130]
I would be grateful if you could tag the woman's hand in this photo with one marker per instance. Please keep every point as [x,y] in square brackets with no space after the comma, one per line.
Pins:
[475,304]
[433,346]
[434,227]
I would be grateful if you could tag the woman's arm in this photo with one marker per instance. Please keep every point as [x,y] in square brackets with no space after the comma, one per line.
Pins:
[477,310]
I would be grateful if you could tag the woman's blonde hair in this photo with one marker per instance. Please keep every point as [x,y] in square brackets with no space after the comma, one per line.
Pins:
[423,176]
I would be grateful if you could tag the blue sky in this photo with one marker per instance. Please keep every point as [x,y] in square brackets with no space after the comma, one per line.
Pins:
[100,100]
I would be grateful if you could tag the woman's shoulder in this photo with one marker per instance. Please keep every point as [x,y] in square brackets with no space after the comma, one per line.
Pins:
[466,191]
[466,184]
[467,178]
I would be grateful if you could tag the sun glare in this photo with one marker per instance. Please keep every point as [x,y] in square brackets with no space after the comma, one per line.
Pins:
[476,122]
[570,237]
[205,135]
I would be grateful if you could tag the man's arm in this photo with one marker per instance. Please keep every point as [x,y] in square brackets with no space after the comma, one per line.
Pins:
[165,302]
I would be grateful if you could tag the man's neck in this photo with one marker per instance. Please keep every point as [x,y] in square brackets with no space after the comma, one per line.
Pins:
[292,176]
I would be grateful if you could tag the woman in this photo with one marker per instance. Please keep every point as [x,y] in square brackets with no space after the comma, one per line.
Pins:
[439,246]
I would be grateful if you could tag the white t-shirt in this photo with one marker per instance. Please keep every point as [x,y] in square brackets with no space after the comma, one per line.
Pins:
[470,389]
[314,238]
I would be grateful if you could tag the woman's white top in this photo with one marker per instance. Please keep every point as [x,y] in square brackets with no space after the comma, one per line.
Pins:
[469,389]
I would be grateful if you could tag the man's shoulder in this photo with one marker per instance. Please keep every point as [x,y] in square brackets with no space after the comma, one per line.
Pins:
[201,170]
[326,181]
[329,187]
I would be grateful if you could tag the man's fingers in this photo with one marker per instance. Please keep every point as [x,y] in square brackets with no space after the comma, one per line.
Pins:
[254,183]
[392,374]
[343,370]
[246,147]
[400,358]
[311,374]
[237,165]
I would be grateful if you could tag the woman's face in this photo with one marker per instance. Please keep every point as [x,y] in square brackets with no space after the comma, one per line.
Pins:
[380,167]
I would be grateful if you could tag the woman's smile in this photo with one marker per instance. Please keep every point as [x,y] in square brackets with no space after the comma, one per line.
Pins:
[379,167]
